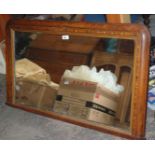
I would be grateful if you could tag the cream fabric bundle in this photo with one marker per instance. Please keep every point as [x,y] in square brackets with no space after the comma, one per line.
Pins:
[30,71]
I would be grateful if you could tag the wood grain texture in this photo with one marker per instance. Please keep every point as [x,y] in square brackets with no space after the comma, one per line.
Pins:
[4,18]
[118,18]
[138,33]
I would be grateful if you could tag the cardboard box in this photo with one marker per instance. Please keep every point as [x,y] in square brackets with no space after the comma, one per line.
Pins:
[34,86]
[88,91]
[86,100]
[84,110]
[34,94]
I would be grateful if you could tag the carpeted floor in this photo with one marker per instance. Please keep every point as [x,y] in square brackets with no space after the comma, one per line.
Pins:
[18,124]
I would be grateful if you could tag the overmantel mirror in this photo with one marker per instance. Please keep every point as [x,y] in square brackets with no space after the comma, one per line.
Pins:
[92,75]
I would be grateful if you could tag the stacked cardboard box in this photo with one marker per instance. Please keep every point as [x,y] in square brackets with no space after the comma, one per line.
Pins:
[86,100]
[35,94]
[33,86]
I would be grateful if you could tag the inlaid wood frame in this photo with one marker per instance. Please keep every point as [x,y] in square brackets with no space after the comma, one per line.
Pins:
[138,33]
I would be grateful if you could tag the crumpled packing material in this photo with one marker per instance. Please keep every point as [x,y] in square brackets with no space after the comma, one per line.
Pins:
[104,78]
[30,71]
[27,69]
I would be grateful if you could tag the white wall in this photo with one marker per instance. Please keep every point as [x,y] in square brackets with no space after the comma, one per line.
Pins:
[2,59]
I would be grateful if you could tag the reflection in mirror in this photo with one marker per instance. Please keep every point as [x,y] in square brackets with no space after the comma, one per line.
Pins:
[47,79]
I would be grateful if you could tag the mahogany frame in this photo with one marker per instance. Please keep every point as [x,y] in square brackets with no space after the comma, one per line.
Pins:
[138,33]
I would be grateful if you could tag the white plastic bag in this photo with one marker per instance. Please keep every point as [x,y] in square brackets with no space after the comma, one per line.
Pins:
[105,78]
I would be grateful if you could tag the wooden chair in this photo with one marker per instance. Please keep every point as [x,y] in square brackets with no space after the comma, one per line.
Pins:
[121,64]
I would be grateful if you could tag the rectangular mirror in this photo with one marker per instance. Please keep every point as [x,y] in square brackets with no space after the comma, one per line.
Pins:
[50,67]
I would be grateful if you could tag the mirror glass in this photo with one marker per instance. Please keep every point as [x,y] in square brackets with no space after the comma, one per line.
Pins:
[48,76]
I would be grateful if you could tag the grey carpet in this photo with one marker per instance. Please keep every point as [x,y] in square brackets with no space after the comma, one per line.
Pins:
[18,124]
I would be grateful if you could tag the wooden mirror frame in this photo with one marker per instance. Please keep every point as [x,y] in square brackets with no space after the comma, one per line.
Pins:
[138,33]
